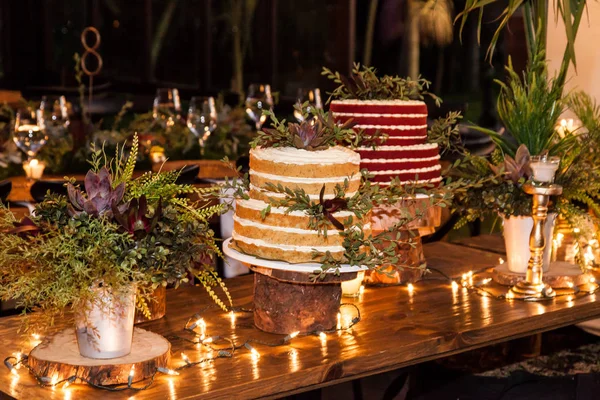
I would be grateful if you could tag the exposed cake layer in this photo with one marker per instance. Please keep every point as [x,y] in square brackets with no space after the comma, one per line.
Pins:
[265,195]
[308,170]
[288,161]
[285,236]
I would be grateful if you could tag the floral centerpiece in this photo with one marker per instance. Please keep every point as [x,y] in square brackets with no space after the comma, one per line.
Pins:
[530,108]
[95,249]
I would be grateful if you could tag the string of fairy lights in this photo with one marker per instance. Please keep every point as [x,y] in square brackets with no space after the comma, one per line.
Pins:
[195,325]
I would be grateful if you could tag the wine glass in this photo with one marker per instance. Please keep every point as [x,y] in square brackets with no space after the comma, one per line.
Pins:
[167,106]
[259,98]
[30,131]
[310,95]
[56,115]
[202,119]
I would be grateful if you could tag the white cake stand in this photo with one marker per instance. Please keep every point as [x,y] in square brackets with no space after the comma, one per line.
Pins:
[282,265]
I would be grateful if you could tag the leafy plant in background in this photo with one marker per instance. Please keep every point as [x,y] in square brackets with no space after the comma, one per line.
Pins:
[116,230]
[364,84]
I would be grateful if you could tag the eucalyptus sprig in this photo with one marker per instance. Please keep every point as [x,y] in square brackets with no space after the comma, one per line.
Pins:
[363,83]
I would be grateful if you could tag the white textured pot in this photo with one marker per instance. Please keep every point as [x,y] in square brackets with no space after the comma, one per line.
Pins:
[517,231]
[105,327]
[232,267]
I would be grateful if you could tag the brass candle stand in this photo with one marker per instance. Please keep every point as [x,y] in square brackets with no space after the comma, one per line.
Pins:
[533,288]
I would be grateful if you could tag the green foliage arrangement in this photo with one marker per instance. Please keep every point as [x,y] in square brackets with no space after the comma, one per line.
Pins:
[364,84]
[117,231]
[317,131]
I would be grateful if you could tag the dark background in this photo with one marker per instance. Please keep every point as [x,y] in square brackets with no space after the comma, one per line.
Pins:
[189,44]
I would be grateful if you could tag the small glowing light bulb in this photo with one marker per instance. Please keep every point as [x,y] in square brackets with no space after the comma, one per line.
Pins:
[167,371]
[361,290]
[131,375]
[322,336]
[592,279]
[410,287]
[570,285]
[35,336]
[253,351]
[486,281]
[500,260]
[454,285]
[185,358]
[510,295]
[207,340]
[291,336]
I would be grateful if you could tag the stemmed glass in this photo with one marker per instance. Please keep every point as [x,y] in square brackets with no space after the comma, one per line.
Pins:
[167,106]
[310,95]
[56,115]
[259,98]
[30,131]
[202,119]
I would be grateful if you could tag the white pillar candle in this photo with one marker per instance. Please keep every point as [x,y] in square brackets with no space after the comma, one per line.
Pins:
[544,168]
[34,169]
[351,288]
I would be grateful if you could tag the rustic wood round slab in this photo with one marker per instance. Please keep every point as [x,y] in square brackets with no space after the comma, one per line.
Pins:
[561,275]
[58,357]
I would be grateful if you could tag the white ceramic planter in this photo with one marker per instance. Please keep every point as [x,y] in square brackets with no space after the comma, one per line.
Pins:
[106,328]
[232,267]
[517,231]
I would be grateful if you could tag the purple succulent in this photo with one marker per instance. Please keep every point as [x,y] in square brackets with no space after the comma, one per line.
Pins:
[134,218]
[517,168]
[99,195]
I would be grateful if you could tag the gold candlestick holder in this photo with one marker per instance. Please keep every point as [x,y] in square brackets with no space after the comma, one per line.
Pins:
[533,288]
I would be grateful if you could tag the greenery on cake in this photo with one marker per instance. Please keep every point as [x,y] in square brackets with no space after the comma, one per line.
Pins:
[317,131]
[115,231]
[363,83]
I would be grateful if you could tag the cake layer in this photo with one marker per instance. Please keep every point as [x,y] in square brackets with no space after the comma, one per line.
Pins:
[311,186]
[384,119]
[382,164]
[427,150]
[279,217]
[379,106]
[287,161]
[288,253]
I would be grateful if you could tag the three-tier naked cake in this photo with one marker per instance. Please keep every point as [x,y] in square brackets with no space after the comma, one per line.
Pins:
[283,234]
[406,153]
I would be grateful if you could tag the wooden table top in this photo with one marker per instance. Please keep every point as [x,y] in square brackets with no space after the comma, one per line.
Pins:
[398,329]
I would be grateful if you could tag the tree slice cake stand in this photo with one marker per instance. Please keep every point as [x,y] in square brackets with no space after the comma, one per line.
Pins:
[560,275]
[57,357]
[286,300]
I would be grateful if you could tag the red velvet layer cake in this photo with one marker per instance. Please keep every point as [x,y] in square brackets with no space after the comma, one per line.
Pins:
[406,153]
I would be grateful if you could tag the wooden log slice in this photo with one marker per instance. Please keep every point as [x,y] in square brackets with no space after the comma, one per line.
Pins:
[284,307]
[561,275]
[157,306]
[58,357]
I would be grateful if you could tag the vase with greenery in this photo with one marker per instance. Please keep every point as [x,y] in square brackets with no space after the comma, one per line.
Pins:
[530,108]
[93,250]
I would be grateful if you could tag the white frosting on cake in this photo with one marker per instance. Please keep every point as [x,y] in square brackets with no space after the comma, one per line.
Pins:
[398,160]
[424,146]
[407,171]
[413,182]
[391,127]
[344,114]
[260,205]
[379,102]
[304,249]
[282,195]
[247,222]
[295,179]
[292,155]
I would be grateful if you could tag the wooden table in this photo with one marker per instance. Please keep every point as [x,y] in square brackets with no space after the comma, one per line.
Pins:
[397,330]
